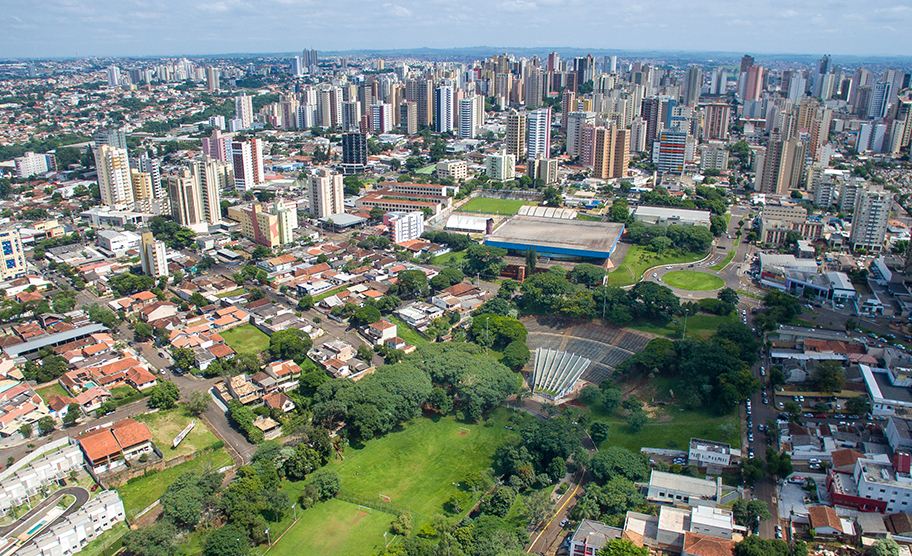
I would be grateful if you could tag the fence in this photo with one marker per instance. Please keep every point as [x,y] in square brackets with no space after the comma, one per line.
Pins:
[385,507]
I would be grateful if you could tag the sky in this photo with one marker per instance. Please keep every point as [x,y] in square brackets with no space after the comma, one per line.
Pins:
[66,28]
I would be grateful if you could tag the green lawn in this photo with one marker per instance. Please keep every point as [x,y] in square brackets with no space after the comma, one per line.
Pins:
[427,170]
[728,258]
[326,294]
[698,326]
[138,494]
[108,543]
[638,259]
[693,280]
[50,390]
[232,293]
[335,528]
[492,206]
[588,217]
[406,332]
[166,425]
[456,256]
[246,339]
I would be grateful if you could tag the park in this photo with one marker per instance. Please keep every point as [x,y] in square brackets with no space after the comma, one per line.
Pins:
[692,280]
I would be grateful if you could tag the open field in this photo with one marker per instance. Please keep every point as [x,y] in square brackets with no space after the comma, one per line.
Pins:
[692,280]
[50,390]
[165,425]
[639,259]
[405,332]
[493,206]
[246,339]
[326,294]
[456,256]
[335,528]
[698,326]
[143,491]
[669,425]
[232,293]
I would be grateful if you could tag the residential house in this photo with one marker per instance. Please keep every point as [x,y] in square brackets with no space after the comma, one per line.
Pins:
[243,389]
[92,398]
[702,545]
[106,448]
[419,313]
[285,374]
[19,406]
[278,400]
[270,427]
[158,310]
[590,536]
[140,378]
[824,521]
[381,331]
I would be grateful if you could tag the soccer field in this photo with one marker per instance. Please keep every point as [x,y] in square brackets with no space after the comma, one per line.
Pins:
[493,206]
[335,528]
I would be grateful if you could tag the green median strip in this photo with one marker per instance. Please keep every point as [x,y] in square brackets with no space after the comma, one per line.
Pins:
[728,258]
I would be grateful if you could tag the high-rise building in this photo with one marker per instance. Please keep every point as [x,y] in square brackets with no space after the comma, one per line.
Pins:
[825,183]
[408,117]
[247,157]
[516,135]
[746,63]
[286,213]
[500,166]
[218,146]
[212,79]
[141,183]
[153,256]
[310,59]
[669,152]
[12,259]
[781,166]
[114,183]
[869,222]
[186,200]
[638,135]
[151,166]
[469,108]
[113,75]
[544,169]
[111,137]
[576,121]
[354,152]
[610,152]
[210,179]
[719,83]
[568,105]
[257,224]
[880,100]
[714,156]
[351,115]
[443,109]
[848,193]
[715,121]
[243,110]
[754,84]
[325,193]
[31,164]
[297,66]
[381,117]
[693,85]
[421,92]
[539,133]
[404,226]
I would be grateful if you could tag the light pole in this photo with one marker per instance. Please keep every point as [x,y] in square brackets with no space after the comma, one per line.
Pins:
[268,541]
[295,510]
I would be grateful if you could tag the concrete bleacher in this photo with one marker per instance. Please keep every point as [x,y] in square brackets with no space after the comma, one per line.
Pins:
[556,372]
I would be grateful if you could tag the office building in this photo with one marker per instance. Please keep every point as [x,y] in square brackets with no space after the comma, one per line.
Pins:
[212,79]
[443,109]
[575,122]
[13,258]
[153,256]
[114,183]
[325,193]
[538,141]
[310,59]
[471,112]
[247,158]
[210,177]
[516,135]
[243,110]
[869,222]
[404,226]
[354,153]
[185,198]
[31,164]
[500,166]
[880,100]
[610,152]
[297,66]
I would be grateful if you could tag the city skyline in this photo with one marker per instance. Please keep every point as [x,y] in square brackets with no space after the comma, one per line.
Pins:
[104,28]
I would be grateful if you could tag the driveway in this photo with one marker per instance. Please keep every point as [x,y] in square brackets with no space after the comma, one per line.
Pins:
[27,521]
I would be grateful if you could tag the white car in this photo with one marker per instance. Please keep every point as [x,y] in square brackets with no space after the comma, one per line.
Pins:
[655,274]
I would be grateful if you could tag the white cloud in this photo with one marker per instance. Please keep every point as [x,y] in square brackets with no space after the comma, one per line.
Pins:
[789,13]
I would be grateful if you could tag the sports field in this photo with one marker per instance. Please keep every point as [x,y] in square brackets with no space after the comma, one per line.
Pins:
[334,528]
[493,206]
[692,280]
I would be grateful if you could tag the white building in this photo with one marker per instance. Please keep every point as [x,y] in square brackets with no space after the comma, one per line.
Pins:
[575,123]
[538,125]
[31,164]
[404,226]
[114,182]
[666,216]
[500,167]
[27,481]
[869,223]
[153,256]
[80,528]
[471,116]
[116,242]
[286,212]
[456,170]
[681,490]
[243,110]
[248,164]
[709,453]
[443,109]
[325,193]
[12,257]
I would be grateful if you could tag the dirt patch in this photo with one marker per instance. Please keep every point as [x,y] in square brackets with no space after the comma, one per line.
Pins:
[463,433]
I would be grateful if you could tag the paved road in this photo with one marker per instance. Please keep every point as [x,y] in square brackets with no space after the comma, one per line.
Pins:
[27,521]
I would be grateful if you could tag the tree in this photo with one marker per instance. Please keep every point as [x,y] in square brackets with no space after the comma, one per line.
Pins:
[25,430]
[158,539]
[72,413]
[184,358]
[261,252]
[622,547]
[327,482]
[365,315]
[753,545]
[752,470]
[516,354]
[883,547]
[410,284]
[291,344]
[197,402]
[717,225]
[829,376]
[636,420]
[305,303]
[587,274]
[616,461]
[598,431]
[728,295]
[376,213]
[197,299]
[858,405]
[229,540]
[484,260]
[142,332]
[45,425]
[402,525]
[531,261]
[164,395]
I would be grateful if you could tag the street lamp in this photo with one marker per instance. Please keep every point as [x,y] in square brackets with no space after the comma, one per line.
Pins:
[268,541]
[295,510]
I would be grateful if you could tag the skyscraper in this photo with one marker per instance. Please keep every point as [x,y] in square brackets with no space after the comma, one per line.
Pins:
[408,117]
[243,110]
[114,183]
[325,193]
[351,115]
[354,152]
[112,137]
[421,92]
[186,201]
[209,178]
[693,85]
[575,123]
[669,153]
[471,109]
[443,109]
[754,84]
[539,133]
[153,256]
[310,59]
[715,121]
[610,152]
[113,75]
[212,79]
[247,157]
[869,223]
[516,135]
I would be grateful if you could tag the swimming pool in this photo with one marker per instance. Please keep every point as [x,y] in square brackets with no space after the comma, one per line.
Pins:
[36,527]
[89,385]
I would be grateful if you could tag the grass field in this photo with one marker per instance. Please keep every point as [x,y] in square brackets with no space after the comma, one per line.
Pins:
[50,390]
[698,326]
[232,293]
[405,332]
[638,259]
[326,294]
[493,206]
[728,258]
[427,170]
[669,426]
[693,280]
[142,492]
[165,425]
[442,260]
[335,528]
[246,339]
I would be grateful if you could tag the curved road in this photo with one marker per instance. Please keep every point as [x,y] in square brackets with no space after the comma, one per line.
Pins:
[26,522]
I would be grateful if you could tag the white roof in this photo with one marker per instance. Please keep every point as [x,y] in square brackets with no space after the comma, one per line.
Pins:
[463,222]
[696,487]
